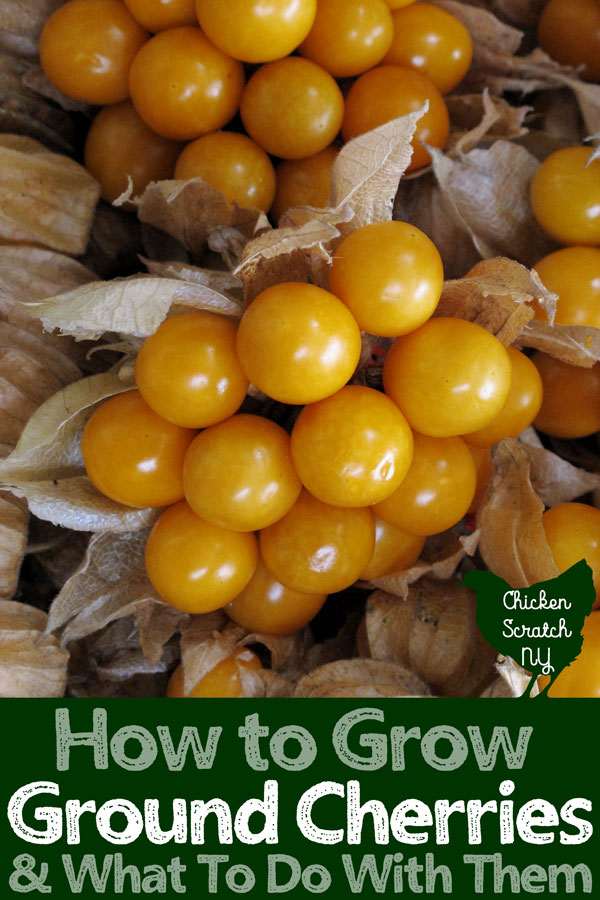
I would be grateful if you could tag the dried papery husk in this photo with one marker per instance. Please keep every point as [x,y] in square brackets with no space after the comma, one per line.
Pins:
[513,544]
[288,652]
[23,111]
[478,117]
[32,663]
[46,467]
[555,480]
[222,282]
[206,640]
[361,678]
[516,679]
[264,683]
[578,345]
[26,17]
[364,182]
[13,540]
[486,193]
[596,153]
[47,199]
[111,584]
[441,557]
[433,633]
[521,12]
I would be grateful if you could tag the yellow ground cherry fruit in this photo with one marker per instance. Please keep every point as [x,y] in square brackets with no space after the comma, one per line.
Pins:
[432,41]
[395,550]
[239,473]
[438,489]
[521,407]
[353,448]
[387,92]
[87,48]
[292,108]
[582,677]
[565,196]
[298,343]
[569,31]
[482,457]
[317,548]
[448,377]
[398,4]
[266,606]
[571,404]
[132,455]
[573,533]
[234,165]
[195,566]
[157,15]
[304,182]
[119,145]
[183,86]
[223,680]
[574,274]
[255,31]
[349,36]
[389,275]
[188,370]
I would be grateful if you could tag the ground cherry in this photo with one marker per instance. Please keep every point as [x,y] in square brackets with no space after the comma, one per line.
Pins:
[574,274]
[448,377]
[432,41]
[120,145]
[298,343]
[223,680]
[565,196]
[482,457]
[521,407]
[195,566]
[389,275]
[398,4]
[255,31]
[394,551]
[571,404]
[266,606]
[569,31]
[87,48]
[239,473]
[303,182]
[349,36]
[183,86]
[234,165]
[317,548]
[582,677]
[438,489]
[132,455]
[292,108]
[388,92]
[573,533]
[353,448]
[188,370]
[156,15]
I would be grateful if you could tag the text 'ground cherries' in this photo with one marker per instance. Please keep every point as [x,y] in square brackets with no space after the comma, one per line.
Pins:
[298,343]
[195,566]
[448,377]
[353,448]
[239,473]
[132,455]
[389,275]
[317,548]
[188,370]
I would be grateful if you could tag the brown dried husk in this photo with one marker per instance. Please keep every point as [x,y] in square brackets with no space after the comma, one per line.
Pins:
[361,678]
[434,634]
[32,664]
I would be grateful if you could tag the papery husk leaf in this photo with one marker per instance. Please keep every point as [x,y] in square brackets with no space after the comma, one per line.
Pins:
[486,193]
[47,198]
[476,117]
[512,543]
[111,584]
[516,679]
[22,111]
[521,12]
[194,213]
[13,540]
[578,345]
[37,80]
[264,683]
[361,678]
[554,479]
[288,652]
[444,553]
[488,33]
[364,181]
[132,306]
[220,281]
[206,640]
[434,634]
[26,17]
[32,664]
[31,273]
